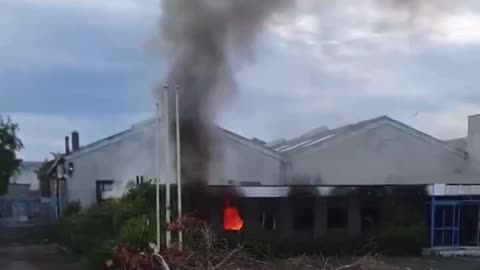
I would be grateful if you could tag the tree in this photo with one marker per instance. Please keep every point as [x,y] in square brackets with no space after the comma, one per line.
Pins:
[10,144]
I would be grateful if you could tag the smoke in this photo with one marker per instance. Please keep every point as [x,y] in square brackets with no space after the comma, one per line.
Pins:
[203,39]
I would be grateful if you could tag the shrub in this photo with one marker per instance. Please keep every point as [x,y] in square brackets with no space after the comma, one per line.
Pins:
[72,208]
[95,231]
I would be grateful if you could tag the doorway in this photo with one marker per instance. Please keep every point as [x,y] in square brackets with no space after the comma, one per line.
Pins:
[454,222]
[469,223]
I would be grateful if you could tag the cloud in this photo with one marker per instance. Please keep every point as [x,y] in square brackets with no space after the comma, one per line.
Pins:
[344,63]
[460,29]
[80,64]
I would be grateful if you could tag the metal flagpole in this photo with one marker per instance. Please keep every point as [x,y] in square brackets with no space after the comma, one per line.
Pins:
[178,167]
[157,174]
[167,164]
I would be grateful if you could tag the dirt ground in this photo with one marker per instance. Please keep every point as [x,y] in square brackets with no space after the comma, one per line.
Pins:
[34,257]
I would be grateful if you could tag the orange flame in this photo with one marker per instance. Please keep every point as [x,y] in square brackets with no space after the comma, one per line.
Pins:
[231,218]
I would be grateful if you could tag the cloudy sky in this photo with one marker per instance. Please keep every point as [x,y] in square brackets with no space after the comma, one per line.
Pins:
[89,65]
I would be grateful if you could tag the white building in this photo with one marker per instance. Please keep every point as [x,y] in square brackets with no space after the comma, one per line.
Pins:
[376,152]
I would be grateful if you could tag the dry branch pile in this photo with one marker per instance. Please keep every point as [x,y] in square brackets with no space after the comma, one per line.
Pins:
[205,251]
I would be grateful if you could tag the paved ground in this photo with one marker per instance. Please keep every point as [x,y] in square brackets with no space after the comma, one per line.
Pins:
[33,257]
[415,263]
[48,257]
[427,263]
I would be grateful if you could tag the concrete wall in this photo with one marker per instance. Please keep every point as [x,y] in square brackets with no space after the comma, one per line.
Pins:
[382,155]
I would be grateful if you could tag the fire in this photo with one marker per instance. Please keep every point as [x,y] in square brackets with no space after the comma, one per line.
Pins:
[232,221]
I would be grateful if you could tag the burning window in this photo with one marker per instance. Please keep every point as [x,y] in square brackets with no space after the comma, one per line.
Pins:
[232,221]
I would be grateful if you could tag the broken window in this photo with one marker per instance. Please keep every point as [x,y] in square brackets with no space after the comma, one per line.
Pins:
[337,212]
[303,213]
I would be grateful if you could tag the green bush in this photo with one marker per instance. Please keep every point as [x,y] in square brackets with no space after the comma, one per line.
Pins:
[72,208]
[403,230]
[95,231]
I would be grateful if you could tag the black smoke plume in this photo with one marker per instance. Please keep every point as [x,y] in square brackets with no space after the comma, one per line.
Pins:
[202,40]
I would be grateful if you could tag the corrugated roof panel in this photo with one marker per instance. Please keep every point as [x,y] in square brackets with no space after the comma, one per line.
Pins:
[320,140]
[282,147]
[295,146]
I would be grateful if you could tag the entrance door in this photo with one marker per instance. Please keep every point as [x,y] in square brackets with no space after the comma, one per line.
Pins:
[445,226]
[469,223]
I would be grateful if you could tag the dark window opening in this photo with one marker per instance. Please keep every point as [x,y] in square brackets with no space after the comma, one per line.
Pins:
[337,213]
[303,213]
[268,221]
[268,210]
[101,187]
[370,217]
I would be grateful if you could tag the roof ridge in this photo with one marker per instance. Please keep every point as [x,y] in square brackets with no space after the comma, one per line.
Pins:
[250,142]
[441,142]
[327,132]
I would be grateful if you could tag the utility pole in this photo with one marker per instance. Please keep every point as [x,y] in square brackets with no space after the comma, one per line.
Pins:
[167,164]
[178,167]
[157,174]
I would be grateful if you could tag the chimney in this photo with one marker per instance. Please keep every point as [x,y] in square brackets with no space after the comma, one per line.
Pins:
[67,145]
[473,140]
[75,141]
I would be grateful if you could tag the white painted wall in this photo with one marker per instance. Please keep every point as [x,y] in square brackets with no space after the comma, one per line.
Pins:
[385,154]
[473,143]
[237,161]
[124,160]
[121,161]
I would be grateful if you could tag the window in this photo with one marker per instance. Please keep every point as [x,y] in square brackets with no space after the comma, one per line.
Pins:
[268,210]
[101,187]
[337,212]
[269,221]
[303,213]
[370,216]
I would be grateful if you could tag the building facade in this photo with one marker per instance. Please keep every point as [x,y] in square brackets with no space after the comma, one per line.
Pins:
[310,186]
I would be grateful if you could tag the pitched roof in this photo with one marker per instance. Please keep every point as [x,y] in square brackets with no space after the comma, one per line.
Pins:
[310,139]
[305,142]
[137,127]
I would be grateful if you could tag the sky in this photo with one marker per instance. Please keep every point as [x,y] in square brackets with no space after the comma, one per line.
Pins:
[92,66]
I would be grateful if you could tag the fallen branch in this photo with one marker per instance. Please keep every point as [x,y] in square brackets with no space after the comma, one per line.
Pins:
[349,266]
[162,261]
[225,259]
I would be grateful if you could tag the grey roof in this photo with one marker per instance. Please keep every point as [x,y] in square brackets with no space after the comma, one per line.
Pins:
[314,139]
[460,143]
[136,127]
[310,139]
